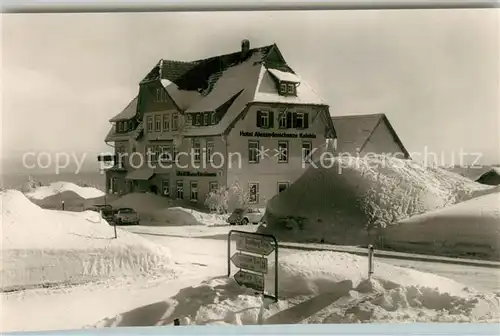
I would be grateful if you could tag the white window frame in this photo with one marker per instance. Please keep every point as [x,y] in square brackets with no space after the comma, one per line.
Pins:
[189,119]
[165,183]
[166,122]
[306,148]
[264,116]
[280,157]
[209,149]
[179,189]
[256,200]
[150,124]
[196,146]
[291,89]
[158,95]
[197,121]
[193,191]
[206,118]
[252,149]
[280,183]
[175,122]
[212,118]
[158,122]
[165,149]
[302,118]
[282,120]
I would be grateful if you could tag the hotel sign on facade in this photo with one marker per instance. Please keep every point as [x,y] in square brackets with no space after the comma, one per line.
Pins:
[278,135]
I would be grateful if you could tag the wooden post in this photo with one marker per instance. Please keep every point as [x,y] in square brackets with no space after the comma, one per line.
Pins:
[114,226]
[370,260]
[62,205]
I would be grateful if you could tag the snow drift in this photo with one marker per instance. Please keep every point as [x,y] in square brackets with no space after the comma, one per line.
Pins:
[322,287]
[471,228]
[45,247]
[337,203]
[159,210]
[59,187]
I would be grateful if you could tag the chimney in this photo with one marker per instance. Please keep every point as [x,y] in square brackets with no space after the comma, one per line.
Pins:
[245,48]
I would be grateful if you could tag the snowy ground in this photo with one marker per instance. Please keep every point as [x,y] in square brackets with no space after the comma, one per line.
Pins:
[315,287]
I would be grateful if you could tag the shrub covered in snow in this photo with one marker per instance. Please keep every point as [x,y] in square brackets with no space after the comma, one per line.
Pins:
[339,203]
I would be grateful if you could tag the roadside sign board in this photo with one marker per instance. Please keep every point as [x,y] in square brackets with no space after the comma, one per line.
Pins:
[250,280]
[254,244]
[250,262]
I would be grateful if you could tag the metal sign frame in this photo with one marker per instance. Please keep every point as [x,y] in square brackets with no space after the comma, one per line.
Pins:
[229,256]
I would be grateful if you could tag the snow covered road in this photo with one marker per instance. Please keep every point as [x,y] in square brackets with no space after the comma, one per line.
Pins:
[481,278]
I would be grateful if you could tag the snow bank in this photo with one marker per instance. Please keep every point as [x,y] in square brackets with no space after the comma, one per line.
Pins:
[41,247]
[185,217]
[337,203]
[322,287]
[60,187]
[470,228]
[162,210]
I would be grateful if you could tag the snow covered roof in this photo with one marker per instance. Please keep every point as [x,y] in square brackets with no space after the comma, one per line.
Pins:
[354,131]
[128,112]
[284,76]
[227,83]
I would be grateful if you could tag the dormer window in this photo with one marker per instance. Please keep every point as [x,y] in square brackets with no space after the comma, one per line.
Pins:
[213,120]
[198,119]
[291,89]
[189,119]
[206,117]
[283,88]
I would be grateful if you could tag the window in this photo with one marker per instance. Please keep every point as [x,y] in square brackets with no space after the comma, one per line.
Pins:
[189,119]
[299,120]
[166,122]
[291,89]
[165,187]
[306,152]
[209,150]
[196,151]
[150,123]
[282,186]
[198,119]
[175,122]
[194,192]
[253,193]
[157,123]
[165,153]
[264,119]
[206,119]
[213,187]
[282,151]
[180,189]
[152,153]
[253,151]
[283,119]
[213,119]
[283,88]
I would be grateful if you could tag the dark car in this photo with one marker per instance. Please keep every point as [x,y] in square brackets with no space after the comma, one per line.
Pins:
[126,216]
[106,210]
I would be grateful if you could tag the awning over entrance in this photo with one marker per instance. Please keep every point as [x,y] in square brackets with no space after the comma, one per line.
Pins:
[143,174]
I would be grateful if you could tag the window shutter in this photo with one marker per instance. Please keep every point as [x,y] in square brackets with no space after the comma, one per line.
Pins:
[271,119]
[288,120]
[306,120]
[259,114]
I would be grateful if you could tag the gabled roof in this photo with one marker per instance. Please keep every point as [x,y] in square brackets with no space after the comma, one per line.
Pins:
[354,131]
[128,112]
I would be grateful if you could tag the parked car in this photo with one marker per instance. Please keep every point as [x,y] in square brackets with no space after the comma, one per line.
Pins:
[126,216]
[107,211]
[244,216]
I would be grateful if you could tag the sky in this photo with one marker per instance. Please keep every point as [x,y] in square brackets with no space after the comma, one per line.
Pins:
[434,73]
